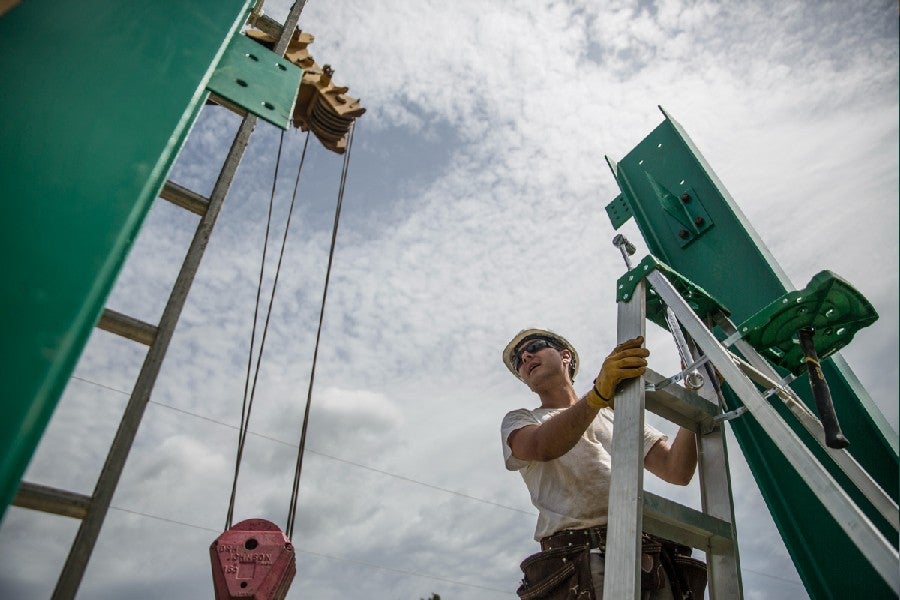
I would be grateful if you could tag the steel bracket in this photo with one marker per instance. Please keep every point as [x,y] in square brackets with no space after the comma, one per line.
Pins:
[257,80]
[687,218]
[618,211]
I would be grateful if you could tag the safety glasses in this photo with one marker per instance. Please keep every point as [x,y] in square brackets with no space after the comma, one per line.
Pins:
[531,347]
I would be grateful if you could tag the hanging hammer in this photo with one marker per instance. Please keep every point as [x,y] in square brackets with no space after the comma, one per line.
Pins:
[834,438]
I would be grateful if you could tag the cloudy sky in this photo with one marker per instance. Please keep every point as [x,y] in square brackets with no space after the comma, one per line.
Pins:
[474,208]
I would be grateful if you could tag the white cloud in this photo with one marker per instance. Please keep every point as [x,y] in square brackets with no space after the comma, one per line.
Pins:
[499,117]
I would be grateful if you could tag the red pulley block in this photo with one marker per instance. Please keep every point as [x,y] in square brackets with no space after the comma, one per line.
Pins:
[253,560]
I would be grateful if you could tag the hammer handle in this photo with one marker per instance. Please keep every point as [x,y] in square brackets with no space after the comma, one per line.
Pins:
[834,438]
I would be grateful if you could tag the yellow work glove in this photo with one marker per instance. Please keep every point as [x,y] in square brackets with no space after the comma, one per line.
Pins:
[627,361]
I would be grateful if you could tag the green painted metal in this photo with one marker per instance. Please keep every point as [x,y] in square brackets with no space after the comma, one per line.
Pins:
[828,304]
[258,80]
[98,98]
[730,261]
[697,298]
[619,212]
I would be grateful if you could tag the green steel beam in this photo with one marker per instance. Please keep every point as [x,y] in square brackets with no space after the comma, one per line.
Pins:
[98,98]
[690,222]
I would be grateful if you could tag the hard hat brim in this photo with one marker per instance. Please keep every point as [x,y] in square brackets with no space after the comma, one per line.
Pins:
[527,334]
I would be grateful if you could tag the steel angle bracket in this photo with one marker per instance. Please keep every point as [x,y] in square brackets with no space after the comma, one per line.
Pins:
[257,80]
[698,299]
[618,211]
[655,181]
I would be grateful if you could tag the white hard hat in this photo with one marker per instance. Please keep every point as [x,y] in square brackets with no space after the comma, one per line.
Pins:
[533,334]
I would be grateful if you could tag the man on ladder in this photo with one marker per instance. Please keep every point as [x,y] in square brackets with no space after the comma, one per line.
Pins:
[563,451]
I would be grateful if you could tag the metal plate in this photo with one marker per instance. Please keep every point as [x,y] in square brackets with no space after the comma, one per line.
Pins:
[830,305]
[618,211]
[258,80]
[700,301]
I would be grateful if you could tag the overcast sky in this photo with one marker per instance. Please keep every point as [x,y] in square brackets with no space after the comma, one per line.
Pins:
[474,208]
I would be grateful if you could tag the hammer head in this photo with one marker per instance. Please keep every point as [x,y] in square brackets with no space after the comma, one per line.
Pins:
[622,243]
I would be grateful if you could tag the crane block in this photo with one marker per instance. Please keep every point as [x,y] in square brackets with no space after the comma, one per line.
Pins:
[296,52]
[253,560]
[321,107]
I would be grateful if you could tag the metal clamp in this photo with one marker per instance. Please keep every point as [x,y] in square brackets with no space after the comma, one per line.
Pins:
[730,415]
[731,339]
[780,385]
[654,387]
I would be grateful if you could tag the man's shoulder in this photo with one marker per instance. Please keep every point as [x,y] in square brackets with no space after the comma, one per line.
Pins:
[521,417]
[519,413]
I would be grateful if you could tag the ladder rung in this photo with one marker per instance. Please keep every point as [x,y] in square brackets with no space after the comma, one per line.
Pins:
[225,103]
[679,405]
[52,500]
[127,327]
[268,25]
[685,525]
[185,198]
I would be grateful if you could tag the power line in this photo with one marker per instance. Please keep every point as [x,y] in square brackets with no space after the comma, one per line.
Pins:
[322,454]
[409,573]
[770,576]
[395,570]
[102,385]
[361,466]
[328,556]
[158,518]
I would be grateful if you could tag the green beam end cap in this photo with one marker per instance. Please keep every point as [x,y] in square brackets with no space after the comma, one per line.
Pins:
[618,211]
[257,80]
[700,301]
[829,304]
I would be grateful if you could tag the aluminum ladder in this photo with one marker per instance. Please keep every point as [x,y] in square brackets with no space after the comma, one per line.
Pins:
[754,380]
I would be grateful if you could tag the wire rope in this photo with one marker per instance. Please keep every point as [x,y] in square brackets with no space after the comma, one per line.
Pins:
[295,490]
[250,390]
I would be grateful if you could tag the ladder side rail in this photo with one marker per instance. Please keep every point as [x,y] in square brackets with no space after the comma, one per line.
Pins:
[86,538]
[871,543]
[864,482]
[624,528]
[716,497]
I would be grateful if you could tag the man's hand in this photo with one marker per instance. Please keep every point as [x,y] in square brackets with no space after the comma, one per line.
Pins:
[627,361]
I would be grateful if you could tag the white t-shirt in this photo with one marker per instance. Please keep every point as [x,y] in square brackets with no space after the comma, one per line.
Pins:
[572,491]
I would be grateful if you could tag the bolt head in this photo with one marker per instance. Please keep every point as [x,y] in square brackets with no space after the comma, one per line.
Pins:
[683,234]
[685,197]
[699,221]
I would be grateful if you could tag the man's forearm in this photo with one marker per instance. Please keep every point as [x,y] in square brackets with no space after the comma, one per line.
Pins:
[682,457]
[560,433]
